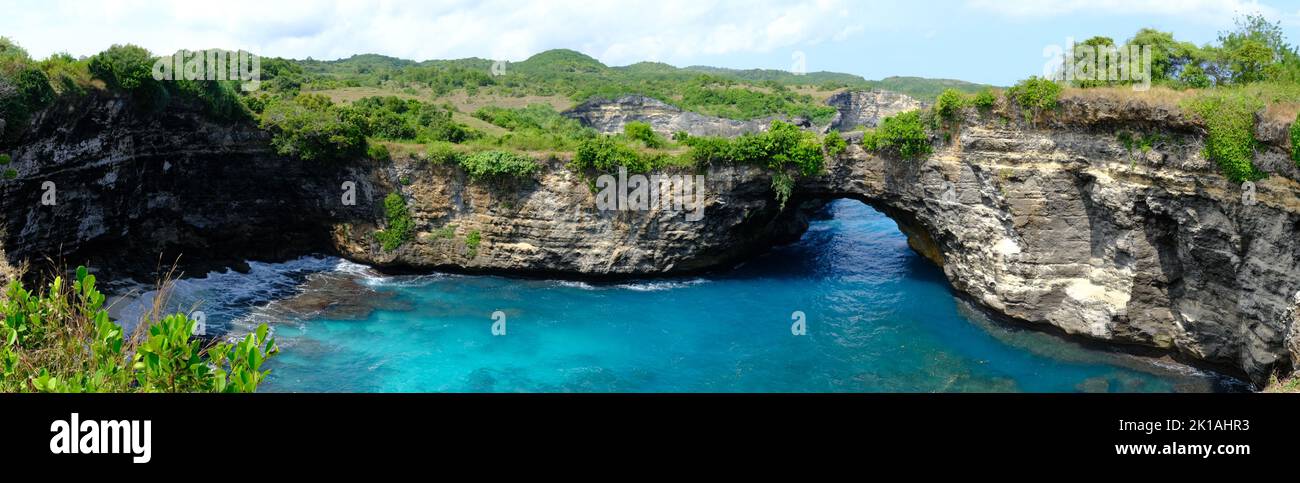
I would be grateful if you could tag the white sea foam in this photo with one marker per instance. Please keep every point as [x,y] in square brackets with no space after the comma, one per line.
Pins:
[222,296]
[658,285]
[643,286]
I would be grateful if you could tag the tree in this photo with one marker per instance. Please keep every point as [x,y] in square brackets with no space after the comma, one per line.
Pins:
[130,68]
[1169,57]
[127,67]
[311,128]
[1257,50]
[1091,59]
[1247,60]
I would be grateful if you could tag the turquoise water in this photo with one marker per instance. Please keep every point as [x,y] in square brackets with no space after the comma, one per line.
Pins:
[878,318]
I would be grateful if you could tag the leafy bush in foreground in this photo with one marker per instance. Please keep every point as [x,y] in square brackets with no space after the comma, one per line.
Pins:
[61,340]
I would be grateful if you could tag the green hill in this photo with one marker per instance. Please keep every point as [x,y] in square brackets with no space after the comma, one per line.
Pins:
[560,61]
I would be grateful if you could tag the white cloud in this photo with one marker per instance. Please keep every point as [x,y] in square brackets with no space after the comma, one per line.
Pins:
[1208,11]
[677,31]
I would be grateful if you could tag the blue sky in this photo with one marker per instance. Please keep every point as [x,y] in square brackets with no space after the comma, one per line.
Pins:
[991,41]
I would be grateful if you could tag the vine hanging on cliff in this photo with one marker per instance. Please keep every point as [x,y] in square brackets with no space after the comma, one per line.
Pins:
[399,224]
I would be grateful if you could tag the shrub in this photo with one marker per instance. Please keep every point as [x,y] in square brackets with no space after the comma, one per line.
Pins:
[472,241]
[1295,140]
[949,105]
[680,136]
[219,98]
[61,340]
[399,226]
[1035,94]
[605,154]
[782,146]
[834,144]
[377,151]
[1194,76]
[67,74]
[708,150]
[310,128]
[985,99]
[11,54]
[498,165]
[443,153]
[903,134]
[129,68]
[534,117]
[1229,119]
[34,87]
[394,118]
[640,131]
[26,92]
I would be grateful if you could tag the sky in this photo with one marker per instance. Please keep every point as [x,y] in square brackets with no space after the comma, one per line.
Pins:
[988,41]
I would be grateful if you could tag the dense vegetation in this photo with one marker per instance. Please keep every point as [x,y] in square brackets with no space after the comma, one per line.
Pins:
[498,165]
[399,228]
[1229,117]
[61,340]
[742,94]
[904,135]
[310,128]
[1249,68]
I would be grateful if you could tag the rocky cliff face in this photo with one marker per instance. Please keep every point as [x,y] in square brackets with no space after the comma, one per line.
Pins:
[1055,224]
[866,108]
[551,225]
[609,116]
[1063,226]
[133,190]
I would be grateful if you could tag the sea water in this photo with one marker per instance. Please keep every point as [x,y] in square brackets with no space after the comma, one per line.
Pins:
[848,308]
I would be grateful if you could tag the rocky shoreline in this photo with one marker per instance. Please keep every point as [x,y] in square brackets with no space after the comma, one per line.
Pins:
[1055,224]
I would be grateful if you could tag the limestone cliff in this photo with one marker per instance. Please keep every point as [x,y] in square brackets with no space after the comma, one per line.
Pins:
[609,116]
[1052,223]
[856,109]
[133,190]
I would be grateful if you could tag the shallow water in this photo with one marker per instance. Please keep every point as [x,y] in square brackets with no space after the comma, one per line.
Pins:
[878,318]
